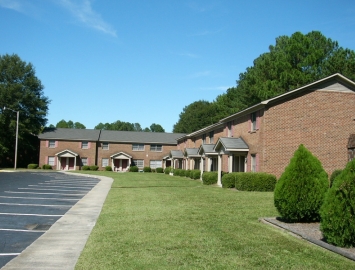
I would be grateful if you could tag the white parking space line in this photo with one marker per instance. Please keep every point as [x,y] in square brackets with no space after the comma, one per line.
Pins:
[62,186]
[9,254]
[15,230]
[50,189]
[37,198]
[36,215]
[45,205]
[43,193]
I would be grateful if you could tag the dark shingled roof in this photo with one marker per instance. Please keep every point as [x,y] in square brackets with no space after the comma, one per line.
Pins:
[176,154]
[207,149]
[231,144]
[70,134]
[191,152]
[139,137]
[109,136]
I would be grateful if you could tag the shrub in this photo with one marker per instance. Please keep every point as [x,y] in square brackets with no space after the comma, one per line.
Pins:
[333,176]
[299,193]
[94,168]
[108,168]
[251,181]
[228,180]
[159,170]
[195,174]
[32,166]
[85,168]
[133,169]
[209,178]
[46,167]
[167,170]
[153,170]
[187,173]
[176,172]
[147,169]
[338,209]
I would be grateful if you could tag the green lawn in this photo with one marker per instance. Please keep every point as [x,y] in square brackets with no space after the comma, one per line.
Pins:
[157,221]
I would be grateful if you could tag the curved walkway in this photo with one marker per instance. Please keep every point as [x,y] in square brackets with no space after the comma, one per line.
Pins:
[61,245]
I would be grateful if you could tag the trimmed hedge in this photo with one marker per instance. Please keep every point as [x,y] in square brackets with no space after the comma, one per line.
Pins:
[228,180]
[85,168]
[299,193]
[108,168]
[159,170]
[133,169]
[251,181]
[210,178]
[167,170]
[338,210]
[195,174]
[46,167]
[32,166]
[94,168]
[147,169]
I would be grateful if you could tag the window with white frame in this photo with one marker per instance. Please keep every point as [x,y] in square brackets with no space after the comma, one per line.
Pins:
[156,147]
[156,164]
[138,147]
[238,164]
[104,162]
[84,161]
[253,163]
[138,162]
[51,161]
[211,136]
[204,138]
[229,126]
[51,144]
[84,145]
[105,146]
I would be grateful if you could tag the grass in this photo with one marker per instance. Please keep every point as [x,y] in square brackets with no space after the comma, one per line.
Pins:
[157,221]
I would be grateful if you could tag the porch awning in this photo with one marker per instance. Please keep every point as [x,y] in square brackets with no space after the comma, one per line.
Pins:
[207,150]
[176,154]
[192,153]
[121,155]
[231,145]
[66,153]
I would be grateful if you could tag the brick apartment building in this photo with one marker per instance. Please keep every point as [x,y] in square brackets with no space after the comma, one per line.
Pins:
[70,149]
[263,138]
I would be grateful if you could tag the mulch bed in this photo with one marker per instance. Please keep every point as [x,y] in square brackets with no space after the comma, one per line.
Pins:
[311,233]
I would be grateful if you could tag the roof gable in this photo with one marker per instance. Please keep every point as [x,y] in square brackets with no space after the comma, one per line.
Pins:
[231,144]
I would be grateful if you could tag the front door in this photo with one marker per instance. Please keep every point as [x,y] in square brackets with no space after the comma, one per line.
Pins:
[71,163]
[63,163]
[124,164]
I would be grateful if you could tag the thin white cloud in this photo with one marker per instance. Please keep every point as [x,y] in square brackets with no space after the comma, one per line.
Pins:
[191,55]
[83,12]
[12,4]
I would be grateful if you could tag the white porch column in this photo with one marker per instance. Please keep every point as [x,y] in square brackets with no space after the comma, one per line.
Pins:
[201,167]
[74,163]
[219,179]
[209,161]
[230,163]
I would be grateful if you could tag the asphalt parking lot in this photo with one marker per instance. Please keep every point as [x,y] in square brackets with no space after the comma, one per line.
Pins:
[31,202]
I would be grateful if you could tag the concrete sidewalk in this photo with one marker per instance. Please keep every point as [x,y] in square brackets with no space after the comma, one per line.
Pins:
[61,245]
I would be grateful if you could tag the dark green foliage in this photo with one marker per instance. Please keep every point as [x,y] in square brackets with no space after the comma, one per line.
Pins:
[210,178]
[299,193]
[195,174]
[177,172]
[147,169]
[250,181]
[108,168]
[70,124]
[85,168]
[167,170]
[94,168]
[159,170]
[187,173]
[333,176]
[338,209]
[32,166]
[133,169]
[228,180]
[46,167]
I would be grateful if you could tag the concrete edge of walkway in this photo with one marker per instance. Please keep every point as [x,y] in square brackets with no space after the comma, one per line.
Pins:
[61,246]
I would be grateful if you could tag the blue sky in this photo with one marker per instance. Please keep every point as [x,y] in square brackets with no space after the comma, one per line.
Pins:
[145,60]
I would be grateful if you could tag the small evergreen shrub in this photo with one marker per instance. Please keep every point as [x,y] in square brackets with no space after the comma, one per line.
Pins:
[195,174]
[108,168]
[338,209]
[251,181]
[299,193]
[46,167]
[32,166]
[167,170]
[187,173]
[85,168]
[94,168]
[159,170]
[147,169]
[133,169]
[333,176]
[177,172]
[228,180]
[210,178]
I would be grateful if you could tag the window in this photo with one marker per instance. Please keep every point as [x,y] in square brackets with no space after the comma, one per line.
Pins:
[254,163]
[51,161]
[138,147]
[254,121]
[104,162]
[211,137]
[84,161]
[51,144]
[105,146]
[155,164]
[138,162]
[238,164]
[229,126]
[213,164]
[197,162]
[156,147]
[204,138]
[85,145]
